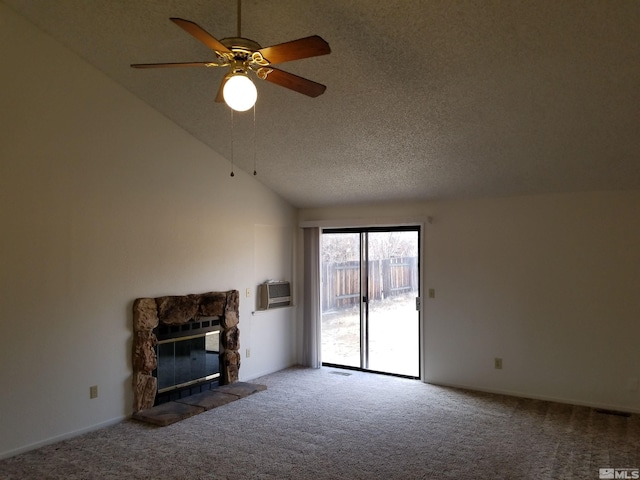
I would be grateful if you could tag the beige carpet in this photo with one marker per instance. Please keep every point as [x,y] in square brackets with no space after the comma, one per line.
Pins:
[319,424]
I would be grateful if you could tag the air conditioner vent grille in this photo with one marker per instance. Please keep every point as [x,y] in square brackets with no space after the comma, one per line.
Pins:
[279,290]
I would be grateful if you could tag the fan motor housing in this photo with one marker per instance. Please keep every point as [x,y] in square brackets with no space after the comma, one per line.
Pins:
[241,44]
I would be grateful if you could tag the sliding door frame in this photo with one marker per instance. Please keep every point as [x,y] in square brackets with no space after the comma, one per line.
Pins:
[364,294]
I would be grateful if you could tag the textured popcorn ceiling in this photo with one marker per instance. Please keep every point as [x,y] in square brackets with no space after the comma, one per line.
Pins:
[425,99]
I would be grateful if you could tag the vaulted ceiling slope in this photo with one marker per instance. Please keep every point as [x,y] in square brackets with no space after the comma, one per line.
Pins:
[425,99]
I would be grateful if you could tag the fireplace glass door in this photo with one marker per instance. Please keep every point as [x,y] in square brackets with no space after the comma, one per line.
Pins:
[188,360]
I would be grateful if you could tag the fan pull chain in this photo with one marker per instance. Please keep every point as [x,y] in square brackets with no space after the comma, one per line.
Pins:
[255,172]
[232,174]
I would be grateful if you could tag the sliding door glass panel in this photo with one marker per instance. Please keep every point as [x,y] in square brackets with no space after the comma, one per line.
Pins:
[341,295]
[393,322]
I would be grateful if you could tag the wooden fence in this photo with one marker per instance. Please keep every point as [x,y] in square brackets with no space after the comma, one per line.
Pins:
[387,277]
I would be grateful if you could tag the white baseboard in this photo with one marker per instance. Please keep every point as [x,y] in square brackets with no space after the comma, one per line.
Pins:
[59,438]
[569,401]
[253,376]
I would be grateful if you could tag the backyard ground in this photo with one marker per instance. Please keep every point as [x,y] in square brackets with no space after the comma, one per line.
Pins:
[393,336]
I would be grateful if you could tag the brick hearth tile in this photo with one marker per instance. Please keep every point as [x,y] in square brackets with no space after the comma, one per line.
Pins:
[241,389]
[208,400]
[167,413]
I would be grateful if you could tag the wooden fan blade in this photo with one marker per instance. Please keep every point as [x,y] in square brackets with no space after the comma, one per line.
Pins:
[219,95]
[180,64]
[201,34]
[293,82]
[295,50]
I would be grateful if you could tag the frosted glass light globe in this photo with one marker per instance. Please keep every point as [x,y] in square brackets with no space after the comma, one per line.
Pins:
[239,92]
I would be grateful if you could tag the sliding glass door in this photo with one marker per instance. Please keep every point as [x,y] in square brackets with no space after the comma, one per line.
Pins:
[370,282]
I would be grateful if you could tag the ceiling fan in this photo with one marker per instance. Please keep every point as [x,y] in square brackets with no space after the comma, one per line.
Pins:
[243,55]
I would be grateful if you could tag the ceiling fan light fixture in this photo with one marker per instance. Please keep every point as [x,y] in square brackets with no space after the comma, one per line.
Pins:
[239,92]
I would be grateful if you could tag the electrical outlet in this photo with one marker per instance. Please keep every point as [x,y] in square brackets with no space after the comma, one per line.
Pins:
[93,391]
[497,363]
[247,353]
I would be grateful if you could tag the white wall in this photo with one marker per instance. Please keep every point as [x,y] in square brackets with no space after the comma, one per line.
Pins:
[548,283]
[103,200]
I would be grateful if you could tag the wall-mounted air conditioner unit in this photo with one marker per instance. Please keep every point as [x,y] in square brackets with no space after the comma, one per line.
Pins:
[274,295]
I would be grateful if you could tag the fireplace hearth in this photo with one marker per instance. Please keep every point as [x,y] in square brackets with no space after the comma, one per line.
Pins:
[184,345]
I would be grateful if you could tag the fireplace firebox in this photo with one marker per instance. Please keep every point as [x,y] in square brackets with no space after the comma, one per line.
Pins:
[188,358]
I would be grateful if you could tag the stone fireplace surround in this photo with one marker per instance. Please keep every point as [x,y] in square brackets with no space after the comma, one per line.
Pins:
[148,313]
